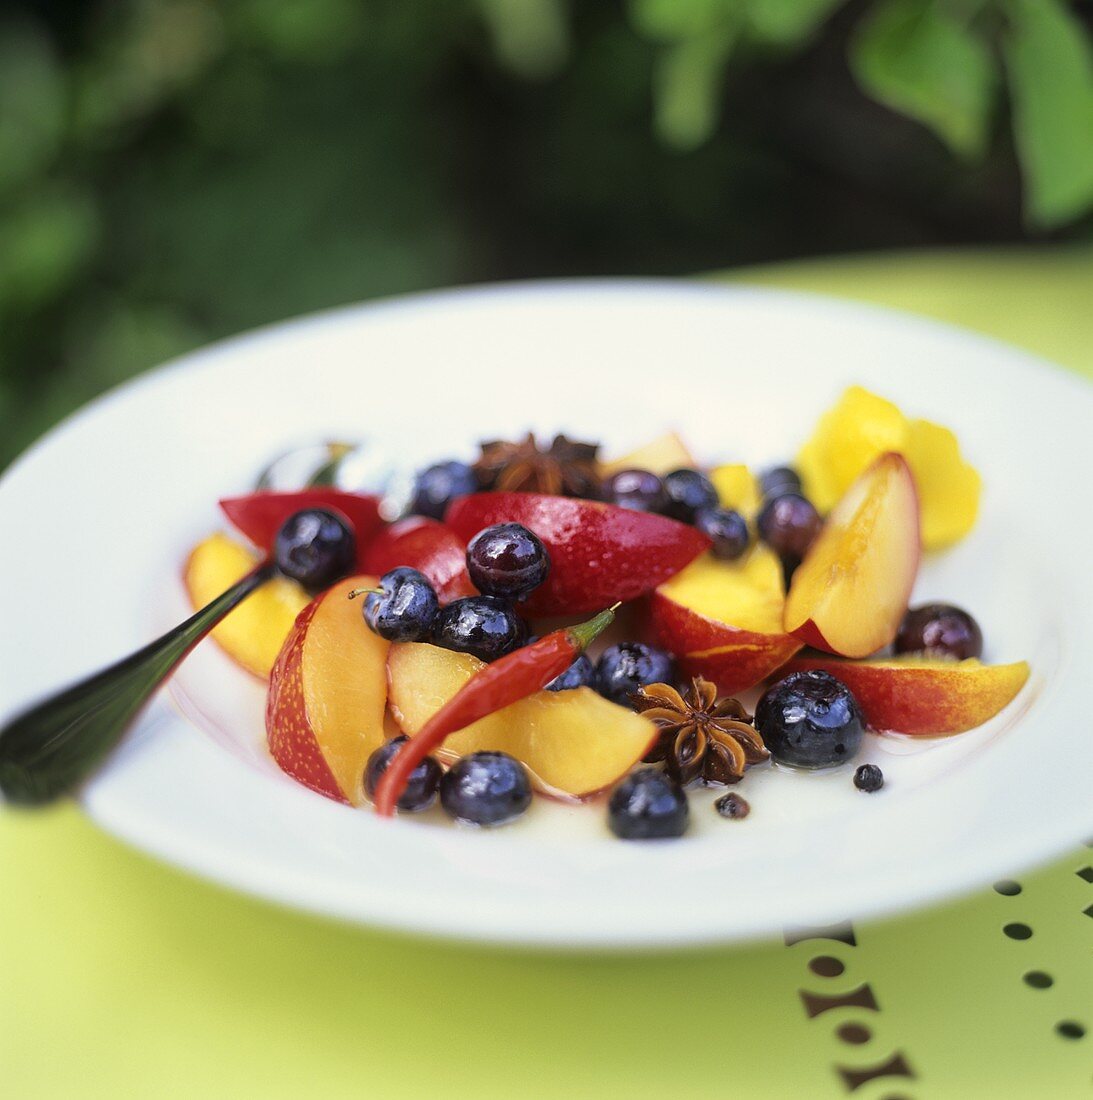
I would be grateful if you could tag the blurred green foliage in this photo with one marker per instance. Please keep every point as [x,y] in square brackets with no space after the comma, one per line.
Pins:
[175,170]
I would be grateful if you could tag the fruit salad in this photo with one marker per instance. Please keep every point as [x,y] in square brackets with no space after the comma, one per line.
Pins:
[551,621]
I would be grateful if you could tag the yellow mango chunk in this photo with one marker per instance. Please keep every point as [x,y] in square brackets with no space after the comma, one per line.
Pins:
[948,487]
[737,488]
[859,428]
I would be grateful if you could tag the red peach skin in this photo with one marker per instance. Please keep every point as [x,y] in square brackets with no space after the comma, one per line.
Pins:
[924,697]
[599,554]
[428,546]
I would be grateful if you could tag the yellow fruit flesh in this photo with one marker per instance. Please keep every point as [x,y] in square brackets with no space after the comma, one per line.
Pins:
[737,488]
[747,594]
[858,429]
[572,742]
[344,674]
[252,635]
[854,583]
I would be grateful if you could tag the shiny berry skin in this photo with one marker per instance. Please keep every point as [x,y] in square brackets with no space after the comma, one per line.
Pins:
[405,609]
[810,720]
[688,491]
[778,481]
[484,626]
[625,667]
[422,786]
[648,805]
[727,531]
[579,674]
[637,489]
[788,524]
[939,630]
[437,486]
[868,778]
[507,560]
[315,547]
[486,788]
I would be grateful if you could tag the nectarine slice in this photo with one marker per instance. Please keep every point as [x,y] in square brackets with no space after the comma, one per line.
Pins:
[850,593]
[723,620]
[599,554]
[252,635]
[428,546]
[910,695]
[328,695]
[737,488]
[573,743]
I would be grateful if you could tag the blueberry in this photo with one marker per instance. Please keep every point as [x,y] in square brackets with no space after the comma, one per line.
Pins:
[869,778]
[579,674]
[939,630]
[315,547]
[485,626]
[810,720]
[422,786]
[727,530]
[625,667]
[637,489]
[437,486]
[788,524]
[486,788]
[780,480]
[507,560]
[648,805]
[405,608]
[688,491]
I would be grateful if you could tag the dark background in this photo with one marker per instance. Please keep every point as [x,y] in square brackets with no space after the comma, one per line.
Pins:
[172,171]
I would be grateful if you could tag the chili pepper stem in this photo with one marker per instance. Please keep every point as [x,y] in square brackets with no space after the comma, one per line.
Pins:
[583,634]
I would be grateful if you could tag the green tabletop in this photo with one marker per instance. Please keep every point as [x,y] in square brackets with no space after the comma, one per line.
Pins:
[120,977]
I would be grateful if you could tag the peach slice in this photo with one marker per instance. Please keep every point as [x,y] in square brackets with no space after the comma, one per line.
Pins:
[851,591]
[599,554]
[723,620]
[909,695]
[253,633]
[660,456]
[573,743]
[328,695]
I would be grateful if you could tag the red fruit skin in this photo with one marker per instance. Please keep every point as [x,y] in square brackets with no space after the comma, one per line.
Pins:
[259,515]
[733,659]
[291,741]
[599,554]
[428,546]
[922,700]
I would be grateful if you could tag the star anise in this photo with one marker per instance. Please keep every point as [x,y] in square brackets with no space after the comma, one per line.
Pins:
[700,735]
[565,468]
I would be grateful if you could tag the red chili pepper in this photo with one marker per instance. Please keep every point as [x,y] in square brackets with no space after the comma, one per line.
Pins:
[506,681]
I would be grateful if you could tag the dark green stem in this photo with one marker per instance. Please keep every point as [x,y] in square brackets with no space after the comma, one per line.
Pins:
[49,750]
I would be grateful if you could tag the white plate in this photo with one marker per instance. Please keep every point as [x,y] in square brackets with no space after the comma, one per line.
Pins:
[99,515]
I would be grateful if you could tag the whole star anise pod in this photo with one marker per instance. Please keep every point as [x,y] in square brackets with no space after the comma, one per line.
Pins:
[700,735]
[565,468]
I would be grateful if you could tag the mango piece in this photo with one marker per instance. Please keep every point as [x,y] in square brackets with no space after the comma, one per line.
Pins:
[661,456]
[859,428]
[948,487]
[737,488]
